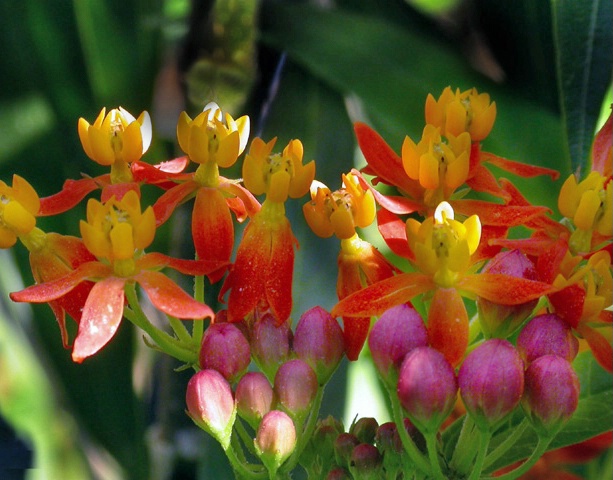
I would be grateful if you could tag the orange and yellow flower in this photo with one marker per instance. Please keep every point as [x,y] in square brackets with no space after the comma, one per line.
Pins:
[19,206]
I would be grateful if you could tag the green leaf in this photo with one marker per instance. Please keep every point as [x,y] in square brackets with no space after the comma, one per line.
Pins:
[583,35]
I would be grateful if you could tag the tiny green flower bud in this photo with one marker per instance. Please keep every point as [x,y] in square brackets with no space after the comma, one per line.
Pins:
[500,321]
[210,404]
[254,397]
[547,335]
[225,349]
[551,393]
[365,429]
[296,386]
[398,331]
[270,344]
[427,388]
[318,340]
[491,381]
[275,440]
[366,462]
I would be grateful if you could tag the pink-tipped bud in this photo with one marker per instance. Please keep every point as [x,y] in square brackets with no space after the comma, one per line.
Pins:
[551,393]
[210,404]
[547,334]
[491,381]
[254,397]
[366,462]
[296,386]
[500,321]
[225,349]
[343,447]
[338,473]
[270,344]
[427,388]
[387,438]
[398,331]
[275,439]
[318,340]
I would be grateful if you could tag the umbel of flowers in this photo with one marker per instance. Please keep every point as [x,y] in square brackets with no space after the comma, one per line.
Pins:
[259,379]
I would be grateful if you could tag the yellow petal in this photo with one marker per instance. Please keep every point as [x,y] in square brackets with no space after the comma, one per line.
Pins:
[17,218]
[198,144]
[586,210]
[183,131]
[132,143]
[303,176]
[122,241]
[317,220]
[144,231]
[100,142]
[279,186]
[228,152]
[83,127]
[7,238]
[95,240]
[342,221]
[252,175]
[25,194]
[410,158]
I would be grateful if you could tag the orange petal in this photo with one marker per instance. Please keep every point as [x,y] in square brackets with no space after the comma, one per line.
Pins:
[355,332]
[242,202]
[481,179]
[168,297]
[188,267]
[101,317]
[518,168]
[377,298]
[73,191]
[448,329]
[602,149]
[280,272]
[601,348]
[503,289]
[394,233]
[498,215]
[166,204]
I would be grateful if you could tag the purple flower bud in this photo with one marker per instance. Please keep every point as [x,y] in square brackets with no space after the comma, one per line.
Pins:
[225,349]
[491,381]
[500,321]
[366,462]
[254,397]
[270,344]
[365,429]
[427,388]
[388,438]
[343,447]
[210,404]
[547,335]
[338,474]
[318,340]
[275,439]
[551,394]
[398,331]
[296,386]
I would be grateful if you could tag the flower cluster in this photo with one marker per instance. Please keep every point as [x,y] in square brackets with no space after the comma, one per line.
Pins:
[534,301]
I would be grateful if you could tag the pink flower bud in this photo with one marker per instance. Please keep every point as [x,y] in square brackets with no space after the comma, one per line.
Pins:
[366,462]
[338,474]
[500,321]
[318,340]
[551,393]
[254,397]
[275,439]
[225,349]
[491,381]
[427,388]
[398,331]
[343,447]
[210,404]
[388,438]
[270,344]
[547,335]
[296,386]
[365,429]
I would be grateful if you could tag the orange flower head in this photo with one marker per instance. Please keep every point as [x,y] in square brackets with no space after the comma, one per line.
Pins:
[116,139]
[589,204]
[439,167]
[442,245]
[118,231]
[277,175]
[19,205]
[207,138]
[455,113]
[339,212]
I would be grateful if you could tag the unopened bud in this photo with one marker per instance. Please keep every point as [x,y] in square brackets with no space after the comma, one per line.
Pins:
[491,381]
[551,393]
[225,349]
[210,404]
[547,334]
[398,331]
[366,462]
[427,388]
[270,344]
[343,447]
[275,439]
[296,386]
[365,429]
[254,397]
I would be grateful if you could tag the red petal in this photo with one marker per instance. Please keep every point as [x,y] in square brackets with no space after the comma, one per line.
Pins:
[118,190]
[280,273]
[166,204]
[482,180]
[102,315]
[243,202]
[48,291]
[188,267]
[602,149]
[601,348]
[503,289]
[496,214]
[488,246]
[355,334]
[73,191]
[394,232]
[518,168]
[212,228]
[448,329]
[381,296]
[568,304]
[384,162]
[168,297]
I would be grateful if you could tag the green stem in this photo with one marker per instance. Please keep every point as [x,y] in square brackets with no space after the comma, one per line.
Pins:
[433,455]
[243,469]
[244,435]
[198,327]
[506,444]
[464,450]
[541,448]
[416,456]
[484,442]
[180,331]
[165,342]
